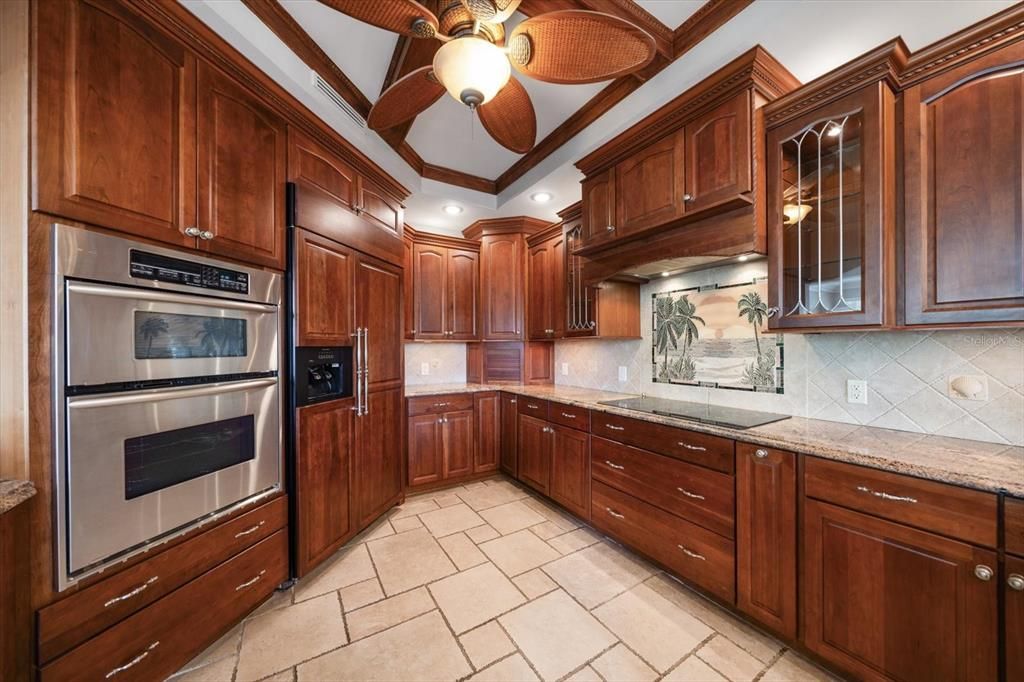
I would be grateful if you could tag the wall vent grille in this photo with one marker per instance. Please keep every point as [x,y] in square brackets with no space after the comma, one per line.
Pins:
[337,100]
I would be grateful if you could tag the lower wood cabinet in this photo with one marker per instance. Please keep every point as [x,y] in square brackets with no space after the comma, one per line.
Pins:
[886,601]
[1013,637]
[570,469]
[509,435]
[377,456]
[453,437]
[766,538]
[534,453]
[457,444]
[487,408]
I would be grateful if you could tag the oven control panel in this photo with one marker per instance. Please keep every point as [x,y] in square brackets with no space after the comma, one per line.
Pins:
[322,373]
[145,265]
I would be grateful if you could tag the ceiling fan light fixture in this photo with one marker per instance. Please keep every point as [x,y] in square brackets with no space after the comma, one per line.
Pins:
[472,69]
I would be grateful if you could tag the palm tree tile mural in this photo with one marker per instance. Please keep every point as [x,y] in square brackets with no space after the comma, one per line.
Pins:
[713,336]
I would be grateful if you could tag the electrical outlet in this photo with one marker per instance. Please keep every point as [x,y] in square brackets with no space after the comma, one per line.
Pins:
[565,369]
[857,391]
[623,374]
[424,368]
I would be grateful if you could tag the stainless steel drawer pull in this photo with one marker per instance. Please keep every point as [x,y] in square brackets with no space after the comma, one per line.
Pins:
[253,581]
[613,465]
[135,661]
[513,401]
[568,416]
[689,494]
[692,447]
[532,406]
[886,496]
[131,593]
[615,428]
[1016,582]
[760,453]
[692,555]
[250,531]
[441,404]
[614,513]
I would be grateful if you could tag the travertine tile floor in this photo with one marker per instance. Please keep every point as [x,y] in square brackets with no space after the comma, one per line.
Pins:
[488,582]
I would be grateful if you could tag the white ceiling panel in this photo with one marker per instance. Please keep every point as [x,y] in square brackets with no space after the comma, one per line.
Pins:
[671,12]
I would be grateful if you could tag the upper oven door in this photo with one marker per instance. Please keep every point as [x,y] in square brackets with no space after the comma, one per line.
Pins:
[119,334]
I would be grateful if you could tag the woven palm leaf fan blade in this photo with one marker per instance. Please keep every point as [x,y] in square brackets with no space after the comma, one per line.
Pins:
[510,119]
[578,46]
[406,17]
[491,11]
[406,98]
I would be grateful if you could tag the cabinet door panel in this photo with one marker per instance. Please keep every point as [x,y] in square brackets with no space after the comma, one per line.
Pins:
[556,288]
[378,288]
[570,469]
[501,284]
[322,460]
[649,186]
[377,459]
[458,431]
[379,208]
[538,311]
[718,152]
[766,536]
[599,208]
[431,291]
[881,599]
[509,435]
[241,161]
[115,122]
[463,288]
[964,199]
[425,449]
[1014,629]
[534,453]
[323,270]
[310,163]
[488,432]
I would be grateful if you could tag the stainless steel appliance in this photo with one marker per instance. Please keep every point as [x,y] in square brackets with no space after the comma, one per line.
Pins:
[166,392]
[698,412]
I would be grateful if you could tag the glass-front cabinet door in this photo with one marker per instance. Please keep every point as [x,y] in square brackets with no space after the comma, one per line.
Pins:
[830,214]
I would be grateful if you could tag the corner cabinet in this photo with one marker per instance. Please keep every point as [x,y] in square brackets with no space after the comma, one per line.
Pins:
[446,290]
[502,258]
[831,202]
[963,160]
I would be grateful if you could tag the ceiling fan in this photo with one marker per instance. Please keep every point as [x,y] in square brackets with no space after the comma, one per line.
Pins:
[474,62]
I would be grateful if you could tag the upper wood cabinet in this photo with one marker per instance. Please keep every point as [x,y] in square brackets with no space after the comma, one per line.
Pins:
[502,294]
[718,150]
[963,160]
[546,304]
[115,122]
[650,186]
[379,208]
[445,292]
[323,308]
[462,294]
[831,198]
[309,162]
[599,207]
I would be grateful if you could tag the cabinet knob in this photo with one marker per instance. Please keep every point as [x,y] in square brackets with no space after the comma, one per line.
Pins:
[761,453]
[610,228]
[513,401]
[1016,582]
[206,234]
[192,232]
[773,311]
[687,198]
[983,572]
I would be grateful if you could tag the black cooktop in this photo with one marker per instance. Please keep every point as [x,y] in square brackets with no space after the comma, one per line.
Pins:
[698,412]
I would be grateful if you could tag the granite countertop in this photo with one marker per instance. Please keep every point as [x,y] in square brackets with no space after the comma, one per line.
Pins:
[974,464]
[13,492]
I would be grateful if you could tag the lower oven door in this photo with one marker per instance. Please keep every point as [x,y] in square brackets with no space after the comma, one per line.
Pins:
[145,465]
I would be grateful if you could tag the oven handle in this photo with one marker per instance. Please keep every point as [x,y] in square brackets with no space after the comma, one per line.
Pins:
[170,394]
[167,297]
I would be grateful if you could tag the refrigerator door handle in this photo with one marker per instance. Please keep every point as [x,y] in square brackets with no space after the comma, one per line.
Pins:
[366,370]
[358,407]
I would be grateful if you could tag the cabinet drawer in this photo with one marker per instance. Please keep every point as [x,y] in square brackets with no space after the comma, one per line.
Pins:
[1013,525]
[159,639]
[698,555]
[71,621]
[699,448]
[949,510]
[569,415]
[434,404]
[533,407]
[700,495]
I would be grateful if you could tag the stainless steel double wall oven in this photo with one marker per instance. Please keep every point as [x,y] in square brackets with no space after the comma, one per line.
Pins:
[166,392]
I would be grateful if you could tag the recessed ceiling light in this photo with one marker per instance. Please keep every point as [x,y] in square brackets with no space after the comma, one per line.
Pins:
[452,209]
[665,274]
[542,197]
[743,258]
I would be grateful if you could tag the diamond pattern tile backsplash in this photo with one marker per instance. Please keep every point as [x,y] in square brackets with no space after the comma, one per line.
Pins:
[447,362]
[907,373]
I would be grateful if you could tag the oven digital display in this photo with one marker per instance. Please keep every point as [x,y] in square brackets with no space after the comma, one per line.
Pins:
[145,265]
[161,460]
[163,336]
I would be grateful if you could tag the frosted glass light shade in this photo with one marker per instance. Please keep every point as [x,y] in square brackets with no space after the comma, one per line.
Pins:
[472,69]
[795,213]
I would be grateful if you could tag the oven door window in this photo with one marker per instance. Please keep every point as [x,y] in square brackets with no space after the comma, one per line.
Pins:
[160,460]
[170,335]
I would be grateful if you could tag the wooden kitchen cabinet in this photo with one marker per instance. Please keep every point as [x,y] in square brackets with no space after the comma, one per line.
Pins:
[463,292]
[323,522]
[546,311]
[377,456]
[831,201]
[115,113]
[425,449]
[1013,645]
[509,434]
[502,261]
[570,469]
[718,153]
[963,161]
[650,186]
[599,208]
[534,453]
[446,291]
[378,208]
[323,307]
[766,536]
[883,600]
[487,452]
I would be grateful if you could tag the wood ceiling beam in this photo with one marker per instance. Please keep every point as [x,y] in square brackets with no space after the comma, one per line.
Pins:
[284,26]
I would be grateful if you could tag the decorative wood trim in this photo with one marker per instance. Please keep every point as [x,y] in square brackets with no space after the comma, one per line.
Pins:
[571,212]
[457,178]
[755,68]
[988,34]
[884,63]
[441,240]
[551,230]
[702,23]
[491,226]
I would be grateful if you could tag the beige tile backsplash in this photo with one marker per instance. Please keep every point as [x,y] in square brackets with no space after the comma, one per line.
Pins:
[907,372]
[450,360]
